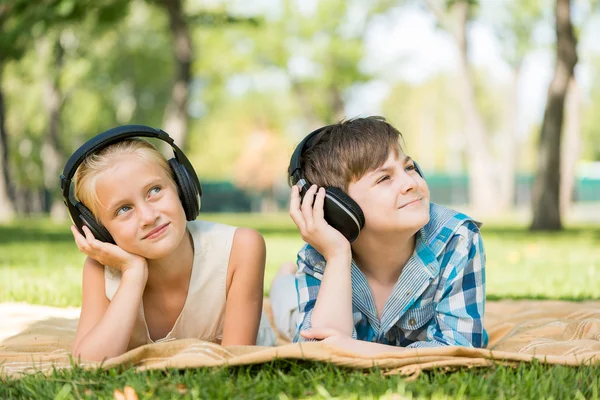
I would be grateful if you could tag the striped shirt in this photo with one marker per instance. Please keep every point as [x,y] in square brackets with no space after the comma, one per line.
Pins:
[438,299]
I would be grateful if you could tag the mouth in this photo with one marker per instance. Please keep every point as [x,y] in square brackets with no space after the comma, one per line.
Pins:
[411,203]
[156,231]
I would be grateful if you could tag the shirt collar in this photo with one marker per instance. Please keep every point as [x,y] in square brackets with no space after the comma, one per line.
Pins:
[443,223]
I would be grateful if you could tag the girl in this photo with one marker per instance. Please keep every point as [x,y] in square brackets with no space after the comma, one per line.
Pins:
[164,278]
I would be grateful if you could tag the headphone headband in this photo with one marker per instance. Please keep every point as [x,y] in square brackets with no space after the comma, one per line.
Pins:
[184,177]
[111,136]
[295,162]
[340,210]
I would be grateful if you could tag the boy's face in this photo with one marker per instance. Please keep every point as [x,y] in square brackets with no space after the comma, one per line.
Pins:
[140,207]
[393,197]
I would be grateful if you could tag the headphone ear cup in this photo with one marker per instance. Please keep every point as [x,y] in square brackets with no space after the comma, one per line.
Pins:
[87,218]
[342,213]
[419,170]
[188,193]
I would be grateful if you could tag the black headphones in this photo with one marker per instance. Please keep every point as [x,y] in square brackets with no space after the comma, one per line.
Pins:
[341,212]
[185,177]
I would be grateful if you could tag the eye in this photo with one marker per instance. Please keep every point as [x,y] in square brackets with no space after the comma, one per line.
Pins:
[410,167]
[154,190]
[383,178]
[122,210]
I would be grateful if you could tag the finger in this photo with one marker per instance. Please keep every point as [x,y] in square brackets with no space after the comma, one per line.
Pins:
[91,239]
[76,233]
[307,204]
[295,212]
[93,243]
[88,233]
[318,333]
[318,211]
[80,240]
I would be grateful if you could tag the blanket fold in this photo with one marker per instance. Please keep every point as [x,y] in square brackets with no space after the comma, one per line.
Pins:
[554,332]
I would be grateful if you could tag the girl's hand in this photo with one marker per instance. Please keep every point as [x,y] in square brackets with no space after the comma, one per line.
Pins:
[110,254]
[311,222]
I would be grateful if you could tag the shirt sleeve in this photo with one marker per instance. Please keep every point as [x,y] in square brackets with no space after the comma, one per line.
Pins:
[459,313]
[311,266]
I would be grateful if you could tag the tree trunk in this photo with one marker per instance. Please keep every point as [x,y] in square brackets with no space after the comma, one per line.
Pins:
[546,188]
[509,148]
[175,121]
[52,151]
[337,105]
[483,188]
[427,135]
[7,208]
[571,148]
[483,183]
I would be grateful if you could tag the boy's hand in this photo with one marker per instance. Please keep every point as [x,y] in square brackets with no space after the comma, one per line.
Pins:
[110,254]
[310,220]
[331,336]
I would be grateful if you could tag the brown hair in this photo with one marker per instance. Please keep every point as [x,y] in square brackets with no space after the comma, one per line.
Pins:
[92,167]
[346,151]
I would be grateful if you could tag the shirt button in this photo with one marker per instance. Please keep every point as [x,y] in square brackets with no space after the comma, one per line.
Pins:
[412,322]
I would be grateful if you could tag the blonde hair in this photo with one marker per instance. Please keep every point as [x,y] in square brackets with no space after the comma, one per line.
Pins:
[92,167]
[346,151]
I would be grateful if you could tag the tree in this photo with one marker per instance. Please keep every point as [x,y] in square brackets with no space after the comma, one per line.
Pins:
[175,120]
[546,189]
[591,117]
[454,16]
[21,23]
[515,30]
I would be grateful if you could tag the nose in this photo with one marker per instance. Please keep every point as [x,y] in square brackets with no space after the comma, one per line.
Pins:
[148,214]
[407,182]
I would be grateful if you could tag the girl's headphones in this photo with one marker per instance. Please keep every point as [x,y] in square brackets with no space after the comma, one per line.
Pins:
[341,212]
[190,191]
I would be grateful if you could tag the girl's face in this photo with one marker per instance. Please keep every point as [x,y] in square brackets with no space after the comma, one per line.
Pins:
[140,207]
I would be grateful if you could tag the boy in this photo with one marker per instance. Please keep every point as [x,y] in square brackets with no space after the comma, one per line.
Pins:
[415,274]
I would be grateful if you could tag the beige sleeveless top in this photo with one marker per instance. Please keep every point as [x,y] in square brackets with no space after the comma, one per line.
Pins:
[203,312]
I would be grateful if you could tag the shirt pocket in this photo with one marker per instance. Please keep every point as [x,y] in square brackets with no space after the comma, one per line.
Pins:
[415,318]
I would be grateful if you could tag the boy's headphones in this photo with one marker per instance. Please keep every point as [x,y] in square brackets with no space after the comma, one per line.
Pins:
[184,175]
[341,212]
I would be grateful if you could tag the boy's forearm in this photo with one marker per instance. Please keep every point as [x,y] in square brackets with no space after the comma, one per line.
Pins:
[333,307]
[110,337]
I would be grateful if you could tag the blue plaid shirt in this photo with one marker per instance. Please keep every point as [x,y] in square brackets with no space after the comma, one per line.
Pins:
[438,299]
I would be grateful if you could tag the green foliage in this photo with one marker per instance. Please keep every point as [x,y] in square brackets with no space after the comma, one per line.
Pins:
[284,71]
[22,21]
[515,27]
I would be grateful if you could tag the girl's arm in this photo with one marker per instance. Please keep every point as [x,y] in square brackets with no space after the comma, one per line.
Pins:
[245,277]
[105,326]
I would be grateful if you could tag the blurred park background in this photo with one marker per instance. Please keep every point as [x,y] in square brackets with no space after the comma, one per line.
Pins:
[239,83]
[497,100]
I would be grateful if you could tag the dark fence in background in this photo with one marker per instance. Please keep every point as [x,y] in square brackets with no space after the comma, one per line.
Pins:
[445,189]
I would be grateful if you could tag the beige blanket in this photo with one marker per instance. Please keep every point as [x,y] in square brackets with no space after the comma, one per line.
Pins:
[554,332]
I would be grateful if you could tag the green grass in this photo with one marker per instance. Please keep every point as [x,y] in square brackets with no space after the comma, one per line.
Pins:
[285,379]
[40,264]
